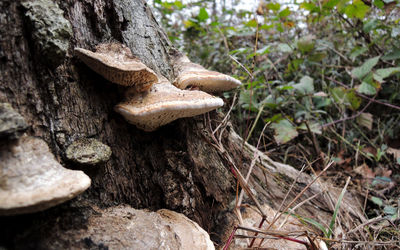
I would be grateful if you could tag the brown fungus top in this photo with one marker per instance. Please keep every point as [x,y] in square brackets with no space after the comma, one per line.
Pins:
[164,103]
[115,62]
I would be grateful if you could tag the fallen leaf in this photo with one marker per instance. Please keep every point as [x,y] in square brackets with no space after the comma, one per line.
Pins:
[365,120]
[365,171]
[394,151]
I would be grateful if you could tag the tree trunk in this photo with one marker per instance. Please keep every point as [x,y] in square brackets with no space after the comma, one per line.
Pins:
[176,167]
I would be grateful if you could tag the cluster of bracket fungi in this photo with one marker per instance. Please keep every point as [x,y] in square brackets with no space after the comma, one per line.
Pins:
[32,180]
[152,100]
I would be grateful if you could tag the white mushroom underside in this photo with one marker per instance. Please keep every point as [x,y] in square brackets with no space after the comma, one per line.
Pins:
[207,82]
[32,180]
[161,114]
[165,103]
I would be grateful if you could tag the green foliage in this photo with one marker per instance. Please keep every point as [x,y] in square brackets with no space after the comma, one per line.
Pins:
[308,62]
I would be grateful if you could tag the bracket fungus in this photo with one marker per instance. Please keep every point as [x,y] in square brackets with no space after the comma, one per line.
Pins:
[192,74]
[115,62]
[164,103]
[32,180]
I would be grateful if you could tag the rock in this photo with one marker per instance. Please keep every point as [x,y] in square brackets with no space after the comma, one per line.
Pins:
[124,227]
[12,124]
[50,30]
[88,151]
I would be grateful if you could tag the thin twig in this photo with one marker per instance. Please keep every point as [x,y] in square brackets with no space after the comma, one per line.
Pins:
[300,194]
[350,117]
[241,65]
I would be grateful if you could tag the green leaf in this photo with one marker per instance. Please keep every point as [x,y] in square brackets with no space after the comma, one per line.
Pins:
[346,97]
[381,74]
[367,89]
[314,127]
[284,48]
[366,68]
[379,3]
[305,86]
[284,131]
[284,13]
[335,212]
[316,224]
[263,51]
[178,4]
[274,118]
[251,23]
[376,200]
[203,15]
[357,9]
[352,99]
[392,55]
[274,6]
[330,4]
[308,6]
[370,25]
[390,210]
[317,57]
[357,51]
[306,44]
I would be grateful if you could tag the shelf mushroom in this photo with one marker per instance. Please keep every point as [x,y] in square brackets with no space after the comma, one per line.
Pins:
[32,180]
[194,75]
[115,62]
[164,103]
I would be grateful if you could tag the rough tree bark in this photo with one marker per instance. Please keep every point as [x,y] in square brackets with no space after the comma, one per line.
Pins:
[175,167]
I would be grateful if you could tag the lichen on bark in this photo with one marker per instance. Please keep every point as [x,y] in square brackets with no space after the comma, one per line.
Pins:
[49,29]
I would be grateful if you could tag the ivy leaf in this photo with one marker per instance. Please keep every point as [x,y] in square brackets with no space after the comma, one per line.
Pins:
[203,15]
[314,127]
[284,131]
[274,6]
[381,74]
[306,44]
[357,51]
[366,88]
[379,3]
[357,9]
[377,200]
[284,13]
[364,69]
[346,97]
[305,86]
[392,55]
[352,99]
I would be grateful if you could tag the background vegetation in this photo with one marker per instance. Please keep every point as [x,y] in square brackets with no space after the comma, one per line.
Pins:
[322,76]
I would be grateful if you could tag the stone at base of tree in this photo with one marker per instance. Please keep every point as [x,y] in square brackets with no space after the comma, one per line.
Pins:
[12,124]
[124,227]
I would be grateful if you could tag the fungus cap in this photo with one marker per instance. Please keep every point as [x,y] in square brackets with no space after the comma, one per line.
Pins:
[32,180]
[164,103]
[192,74]
[116,63]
